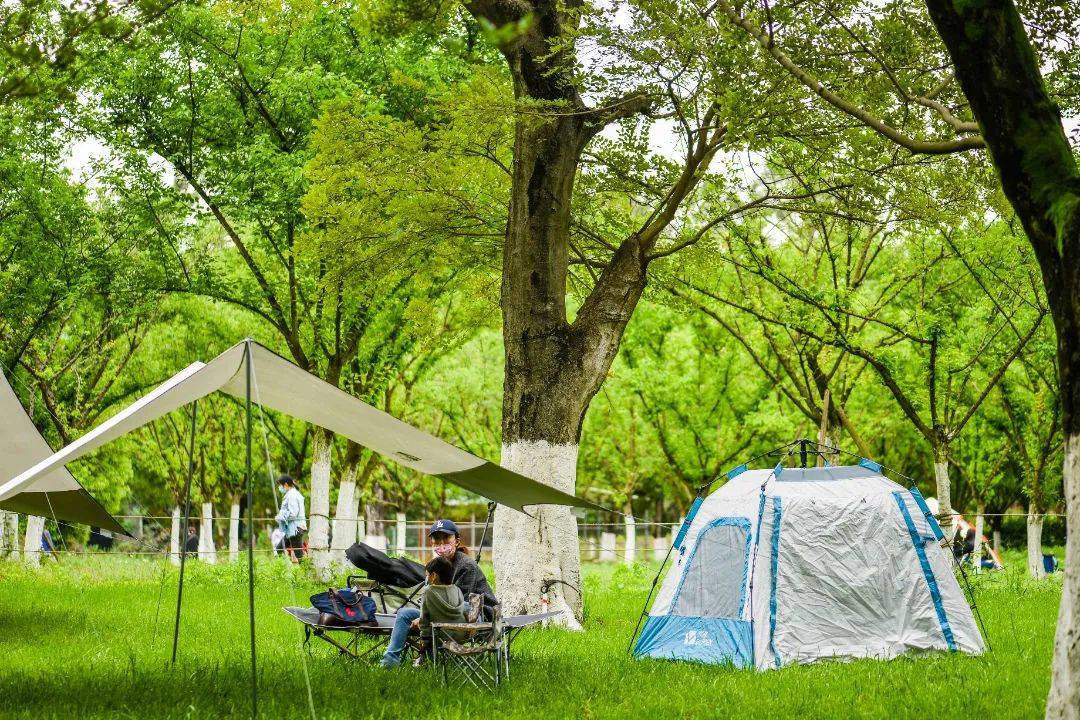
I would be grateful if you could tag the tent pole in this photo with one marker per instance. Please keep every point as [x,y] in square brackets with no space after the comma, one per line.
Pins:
[483,536]
[250,527]
[183,533]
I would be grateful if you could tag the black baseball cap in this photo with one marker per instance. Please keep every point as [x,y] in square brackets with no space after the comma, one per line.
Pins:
[443,526]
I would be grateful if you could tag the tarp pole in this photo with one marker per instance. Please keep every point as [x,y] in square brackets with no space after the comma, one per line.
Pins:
[483,536]
[184,531]
[250,527]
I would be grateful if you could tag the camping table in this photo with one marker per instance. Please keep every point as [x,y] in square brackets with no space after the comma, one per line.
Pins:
[380,632]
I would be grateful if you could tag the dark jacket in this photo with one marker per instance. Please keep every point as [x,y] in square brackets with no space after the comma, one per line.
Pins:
[470,578]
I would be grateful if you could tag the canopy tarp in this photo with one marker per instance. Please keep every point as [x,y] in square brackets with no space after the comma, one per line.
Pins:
[54,494]
[279,385]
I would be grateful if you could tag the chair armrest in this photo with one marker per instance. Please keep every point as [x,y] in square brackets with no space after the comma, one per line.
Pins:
[463,626]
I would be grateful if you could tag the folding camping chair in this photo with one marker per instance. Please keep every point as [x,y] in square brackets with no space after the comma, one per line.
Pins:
[478,653]
[472,652]
[388,598]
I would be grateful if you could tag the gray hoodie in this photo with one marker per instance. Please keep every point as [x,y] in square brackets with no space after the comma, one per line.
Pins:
[441,603]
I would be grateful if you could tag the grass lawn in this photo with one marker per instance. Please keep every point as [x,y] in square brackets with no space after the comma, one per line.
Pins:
[89,638]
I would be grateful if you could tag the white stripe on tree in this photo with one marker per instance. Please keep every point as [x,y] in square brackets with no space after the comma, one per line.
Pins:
[319,507]
[35,526]
[531,551]
[234,532]
[1034,543]
[1064,700]
[207,549]
[344,519]
[174,537]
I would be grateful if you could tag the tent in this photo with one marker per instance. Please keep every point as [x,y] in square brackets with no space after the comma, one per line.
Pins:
[278,384]
[55,495]
[251,372]
[793,565]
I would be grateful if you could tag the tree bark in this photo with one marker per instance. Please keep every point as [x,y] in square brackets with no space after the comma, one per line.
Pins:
[319,504]
[35,526]
[999,73]
[1034,543]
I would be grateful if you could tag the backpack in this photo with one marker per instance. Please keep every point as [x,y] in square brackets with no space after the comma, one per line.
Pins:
[346,606]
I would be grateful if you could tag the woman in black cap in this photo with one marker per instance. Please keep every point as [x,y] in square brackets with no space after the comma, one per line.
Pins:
[445,541]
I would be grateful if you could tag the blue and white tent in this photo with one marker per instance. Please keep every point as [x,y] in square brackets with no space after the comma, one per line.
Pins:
[794,565]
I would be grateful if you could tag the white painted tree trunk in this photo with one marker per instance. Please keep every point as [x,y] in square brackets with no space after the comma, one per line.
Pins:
[608,549]
[1034,544]
[376,541]
[400,531]
[174,537]
[12,529]
[976,553]
[234,532]
[35,526]
[319,505]
[660,547]
[344,519]
[630,551]
[997,542]
[943,486]
[530,551]
[1063,702]
[8,544]
[207,550]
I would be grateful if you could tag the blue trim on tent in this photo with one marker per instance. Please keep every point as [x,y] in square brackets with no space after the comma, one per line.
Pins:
[930,519]
[778,469]
[708,640]
[775,564]
[928,573]
[718,522]
[870,464]
[689,519]
[736,471]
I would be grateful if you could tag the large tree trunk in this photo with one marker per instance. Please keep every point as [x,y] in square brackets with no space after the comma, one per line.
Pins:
[11,527]
[999,72]
[1034,543]
[319,507]
[35,526]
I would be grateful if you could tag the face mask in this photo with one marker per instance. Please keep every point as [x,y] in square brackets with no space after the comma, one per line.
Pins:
[445,550]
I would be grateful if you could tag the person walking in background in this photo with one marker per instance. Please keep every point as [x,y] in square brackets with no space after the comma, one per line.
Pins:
[290,517]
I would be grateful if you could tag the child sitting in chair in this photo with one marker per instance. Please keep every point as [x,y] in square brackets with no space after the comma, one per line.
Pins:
[442,601]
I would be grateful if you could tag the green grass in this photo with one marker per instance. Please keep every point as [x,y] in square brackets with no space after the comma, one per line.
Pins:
[88,638]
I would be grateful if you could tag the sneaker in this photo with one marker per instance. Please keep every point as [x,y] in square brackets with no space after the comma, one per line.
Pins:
[389,663]
[418,662]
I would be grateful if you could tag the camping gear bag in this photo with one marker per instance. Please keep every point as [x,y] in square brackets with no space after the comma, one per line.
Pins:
[347,606]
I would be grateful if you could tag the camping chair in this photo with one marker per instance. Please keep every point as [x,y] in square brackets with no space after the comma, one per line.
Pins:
[473,653]
[388,598]
[353,641]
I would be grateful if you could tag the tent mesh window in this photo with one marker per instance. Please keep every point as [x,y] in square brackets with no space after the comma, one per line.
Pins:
[712,585]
